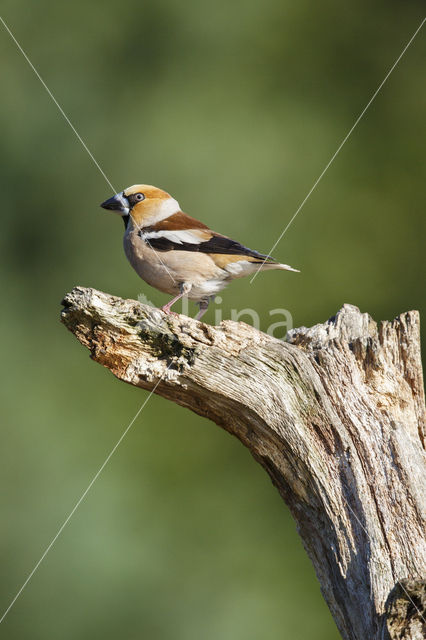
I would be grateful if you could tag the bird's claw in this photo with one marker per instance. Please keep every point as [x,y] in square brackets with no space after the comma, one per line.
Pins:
[168,311]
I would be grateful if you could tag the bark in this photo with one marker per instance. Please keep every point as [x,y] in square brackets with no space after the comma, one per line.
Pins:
[336,417]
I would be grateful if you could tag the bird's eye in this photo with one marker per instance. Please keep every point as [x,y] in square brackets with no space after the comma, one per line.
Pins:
[140,196]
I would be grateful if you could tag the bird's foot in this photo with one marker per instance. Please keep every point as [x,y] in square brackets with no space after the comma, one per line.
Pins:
[168,311]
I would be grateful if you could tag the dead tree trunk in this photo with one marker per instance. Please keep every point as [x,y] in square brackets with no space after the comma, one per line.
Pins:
[336,417]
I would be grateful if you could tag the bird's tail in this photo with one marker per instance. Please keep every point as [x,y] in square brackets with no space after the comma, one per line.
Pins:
[277,265]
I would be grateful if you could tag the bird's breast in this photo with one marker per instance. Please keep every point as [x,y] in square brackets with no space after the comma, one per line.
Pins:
[166,270]
[149,265]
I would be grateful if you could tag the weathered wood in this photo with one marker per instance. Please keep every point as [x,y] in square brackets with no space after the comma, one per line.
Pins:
[405,617]
[335,415]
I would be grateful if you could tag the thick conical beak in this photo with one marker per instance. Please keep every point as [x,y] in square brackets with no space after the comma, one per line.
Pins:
[118,203]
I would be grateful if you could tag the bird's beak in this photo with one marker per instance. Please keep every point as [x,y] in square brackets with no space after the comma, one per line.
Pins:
[118,203]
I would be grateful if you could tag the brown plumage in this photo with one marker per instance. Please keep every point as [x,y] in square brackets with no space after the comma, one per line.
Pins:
[179,221]
[177,254]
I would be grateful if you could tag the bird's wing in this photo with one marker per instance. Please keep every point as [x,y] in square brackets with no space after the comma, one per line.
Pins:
[183,233]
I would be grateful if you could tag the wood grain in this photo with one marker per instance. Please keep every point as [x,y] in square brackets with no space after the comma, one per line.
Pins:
[336,416]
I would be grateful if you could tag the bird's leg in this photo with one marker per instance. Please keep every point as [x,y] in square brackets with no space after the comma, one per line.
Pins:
[166,307]
[203,304]
[184,289]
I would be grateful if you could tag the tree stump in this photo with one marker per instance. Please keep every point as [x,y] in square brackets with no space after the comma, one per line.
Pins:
[335,415]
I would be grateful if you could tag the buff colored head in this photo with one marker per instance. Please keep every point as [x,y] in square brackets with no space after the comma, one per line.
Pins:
[144,203]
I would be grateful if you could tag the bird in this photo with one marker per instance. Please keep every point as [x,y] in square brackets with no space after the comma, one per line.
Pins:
[178,254]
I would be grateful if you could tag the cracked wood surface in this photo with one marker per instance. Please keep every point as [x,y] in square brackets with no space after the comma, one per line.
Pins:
[336,416]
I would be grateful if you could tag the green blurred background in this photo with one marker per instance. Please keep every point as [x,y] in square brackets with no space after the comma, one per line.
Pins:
[235,108]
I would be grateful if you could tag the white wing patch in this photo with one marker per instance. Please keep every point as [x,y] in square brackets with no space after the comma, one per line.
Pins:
[190,236]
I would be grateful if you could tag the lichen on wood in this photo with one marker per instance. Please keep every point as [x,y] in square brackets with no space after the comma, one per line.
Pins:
[335,416]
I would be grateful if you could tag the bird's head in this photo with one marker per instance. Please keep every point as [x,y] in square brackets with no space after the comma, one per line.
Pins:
[144,203]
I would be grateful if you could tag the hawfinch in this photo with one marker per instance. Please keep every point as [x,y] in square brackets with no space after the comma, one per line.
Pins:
[176,253]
